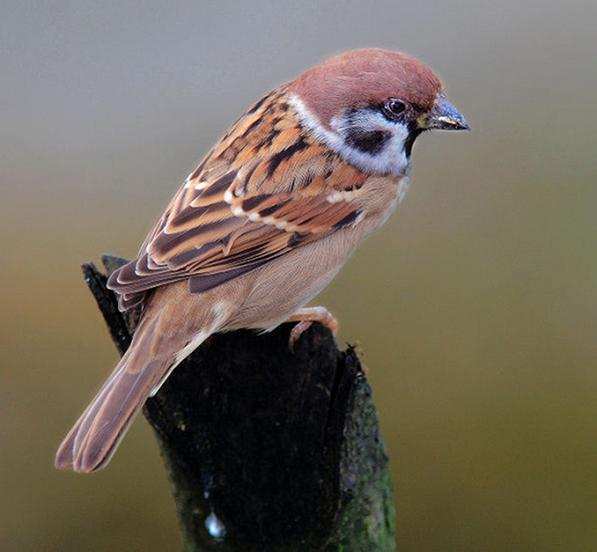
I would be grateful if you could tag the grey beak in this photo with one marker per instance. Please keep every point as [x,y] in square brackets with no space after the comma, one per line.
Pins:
[444,116]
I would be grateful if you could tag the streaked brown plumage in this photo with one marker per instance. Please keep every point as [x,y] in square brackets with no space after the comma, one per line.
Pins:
[264,223]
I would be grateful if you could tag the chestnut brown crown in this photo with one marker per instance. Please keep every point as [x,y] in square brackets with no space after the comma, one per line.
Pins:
[363,77]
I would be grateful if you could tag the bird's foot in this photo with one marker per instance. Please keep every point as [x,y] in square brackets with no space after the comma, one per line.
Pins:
[305,317]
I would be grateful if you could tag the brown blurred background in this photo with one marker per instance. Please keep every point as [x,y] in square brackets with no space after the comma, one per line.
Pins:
[475,306]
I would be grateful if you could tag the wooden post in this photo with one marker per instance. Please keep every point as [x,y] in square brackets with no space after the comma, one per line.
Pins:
[268,449]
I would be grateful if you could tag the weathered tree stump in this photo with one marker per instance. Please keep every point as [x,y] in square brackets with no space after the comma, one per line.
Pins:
[268,449]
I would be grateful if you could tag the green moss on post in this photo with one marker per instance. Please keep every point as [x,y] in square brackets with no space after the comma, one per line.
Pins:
[367,514]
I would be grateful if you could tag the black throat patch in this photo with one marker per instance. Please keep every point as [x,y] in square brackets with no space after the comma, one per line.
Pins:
[414,131]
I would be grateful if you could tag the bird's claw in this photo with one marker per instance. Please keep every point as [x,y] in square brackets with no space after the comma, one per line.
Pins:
[305,318]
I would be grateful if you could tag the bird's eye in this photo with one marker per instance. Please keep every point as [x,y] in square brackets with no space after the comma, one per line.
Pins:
[393,108]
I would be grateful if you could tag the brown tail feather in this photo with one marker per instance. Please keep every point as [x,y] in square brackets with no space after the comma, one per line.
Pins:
[112,419]
[64,456]
[91,442]
[174,323]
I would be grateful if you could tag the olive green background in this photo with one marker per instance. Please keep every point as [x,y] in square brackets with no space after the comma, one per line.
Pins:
[475,307]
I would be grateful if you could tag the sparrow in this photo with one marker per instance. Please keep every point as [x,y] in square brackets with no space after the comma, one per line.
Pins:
[265,222]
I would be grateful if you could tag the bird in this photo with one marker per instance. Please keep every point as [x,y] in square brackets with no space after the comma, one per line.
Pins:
[265,222]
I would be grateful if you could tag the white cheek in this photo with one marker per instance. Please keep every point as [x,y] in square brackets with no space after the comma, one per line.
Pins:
[393,154]
[391,159]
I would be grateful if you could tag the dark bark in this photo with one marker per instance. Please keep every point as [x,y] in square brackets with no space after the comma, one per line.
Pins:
[268,449]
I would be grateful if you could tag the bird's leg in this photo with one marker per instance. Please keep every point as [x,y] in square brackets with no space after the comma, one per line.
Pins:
[306,316]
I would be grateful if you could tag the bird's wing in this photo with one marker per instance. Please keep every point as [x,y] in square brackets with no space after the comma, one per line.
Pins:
[264,190]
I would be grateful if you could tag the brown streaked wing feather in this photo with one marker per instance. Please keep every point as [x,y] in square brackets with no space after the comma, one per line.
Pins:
[263,191]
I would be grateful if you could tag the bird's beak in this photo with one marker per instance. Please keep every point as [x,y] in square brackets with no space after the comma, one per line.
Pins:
[443,116]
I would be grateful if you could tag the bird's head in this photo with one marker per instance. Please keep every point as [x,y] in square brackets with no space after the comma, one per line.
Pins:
[370,105]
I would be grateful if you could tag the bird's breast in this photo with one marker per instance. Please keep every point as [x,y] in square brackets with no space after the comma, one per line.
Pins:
[382,197]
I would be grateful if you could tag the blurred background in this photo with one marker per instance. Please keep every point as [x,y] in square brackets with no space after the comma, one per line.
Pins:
[475,307]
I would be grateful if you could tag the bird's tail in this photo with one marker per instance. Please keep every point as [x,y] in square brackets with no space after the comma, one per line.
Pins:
[92,441]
